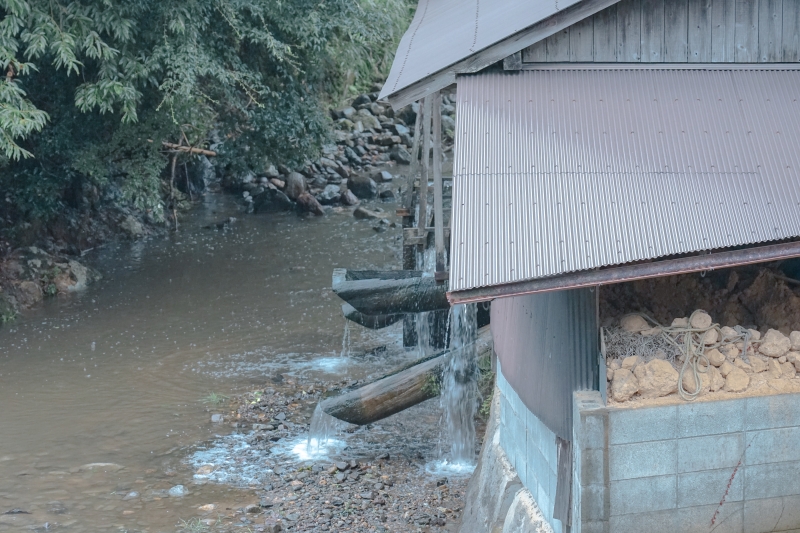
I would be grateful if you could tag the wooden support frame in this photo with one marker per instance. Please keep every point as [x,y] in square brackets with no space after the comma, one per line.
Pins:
[422,218]
[438,206]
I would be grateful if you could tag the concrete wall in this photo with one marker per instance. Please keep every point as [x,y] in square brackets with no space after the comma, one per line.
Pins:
[666,469]
[530,447]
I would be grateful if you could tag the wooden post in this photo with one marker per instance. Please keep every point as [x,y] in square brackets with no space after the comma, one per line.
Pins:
[410,251]
[438,207]
[422,220]
[408,201]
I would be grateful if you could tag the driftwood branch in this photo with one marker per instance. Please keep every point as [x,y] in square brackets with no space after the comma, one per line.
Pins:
[188,149]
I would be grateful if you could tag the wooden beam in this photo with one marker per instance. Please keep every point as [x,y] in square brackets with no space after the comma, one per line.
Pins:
[498,51]
[422,219]
[438,206]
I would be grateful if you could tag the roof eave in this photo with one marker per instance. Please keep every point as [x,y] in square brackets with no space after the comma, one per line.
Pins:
[623,273]
[492,54]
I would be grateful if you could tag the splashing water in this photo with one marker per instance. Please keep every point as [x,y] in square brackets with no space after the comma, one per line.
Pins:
[346,339]
[321,434]
[459,397]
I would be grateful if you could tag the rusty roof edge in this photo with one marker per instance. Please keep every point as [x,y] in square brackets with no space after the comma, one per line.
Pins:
[619,274]
[493,53]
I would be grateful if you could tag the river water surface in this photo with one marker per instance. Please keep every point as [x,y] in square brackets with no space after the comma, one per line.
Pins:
[101,392]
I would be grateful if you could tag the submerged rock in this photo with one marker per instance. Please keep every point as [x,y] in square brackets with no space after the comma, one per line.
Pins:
[177,491]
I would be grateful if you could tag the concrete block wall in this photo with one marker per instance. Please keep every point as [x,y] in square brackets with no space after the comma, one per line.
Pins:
[667,468]
[530,447]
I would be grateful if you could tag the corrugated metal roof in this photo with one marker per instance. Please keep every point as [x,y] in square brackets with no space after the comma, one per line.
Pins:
[444,32]
[561,170]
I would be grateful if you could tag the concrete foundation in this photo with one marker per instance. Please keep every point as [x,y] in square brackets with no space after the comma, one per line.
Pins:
[723,466]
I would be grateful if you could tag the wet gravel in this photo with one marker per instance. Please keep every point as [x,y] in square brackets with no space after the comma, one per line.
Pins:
[376,478]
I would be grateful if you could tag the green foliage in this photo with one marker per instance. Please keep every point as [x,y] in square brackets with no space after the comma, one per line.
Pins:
[214,399]
[92,87]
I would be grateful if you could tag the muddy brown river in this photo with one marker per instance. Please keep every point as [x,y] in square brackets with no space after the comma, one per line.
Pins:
[101,393]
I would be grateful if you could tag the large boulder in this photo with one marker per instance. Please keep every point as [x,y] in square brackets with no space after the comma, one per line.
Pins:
[633,323]
[363,186]
[400,155]
[656,379]
[367,120]
[132,227]
[295,185]
[271,201]
[306,202]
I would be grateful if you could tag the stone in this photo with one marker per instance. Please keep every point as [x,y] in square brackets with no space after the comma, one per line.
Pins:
[362,99]
[131,496]
[775,371]
[788,370]
[794,358]
[204,470]
[774,344]
[307,202]
[728,333]
[710,337]
[731,351]
[715,357]
[348,113]
[691,387]
[207,508]
[272,527]
[630,362]
[755,335]
[614,364]
[400,155]
[401,129]
[701,320]
[272,172]
[633,323]
[252,509]
[680,322]
[758,365]
[295,185]
[348,198]
[330,194]
[740,364]
[725,368]
[794,338]
[716,381]
[272,201]
[217,418]
[132,227]
[29,293]
[623,385]
[651,332]
[362,186]
[609,374]
[656,379]
[368,495]
[177,491]
[387,196]
[278,183]
[362,213]
[382,176]
[368,120]
[736,381]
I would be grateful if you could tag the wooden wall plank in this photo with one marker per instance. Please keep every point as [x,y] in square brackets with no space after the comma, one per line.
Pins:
[769,31]
[723,25]
[558,47]
[676,31]
[536,53]
[581,41]
[653,31]
[605,35]
[746,32]
[699,38]
[790,41]
[629,31]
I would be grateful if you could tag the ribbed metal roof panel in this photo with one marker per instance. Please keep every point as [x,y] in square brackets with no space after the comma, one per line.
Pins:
[444,32]
[561,170]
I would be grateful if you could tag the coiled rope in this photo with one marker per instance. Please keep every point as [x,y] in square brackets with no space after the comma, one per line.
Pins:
[690,341]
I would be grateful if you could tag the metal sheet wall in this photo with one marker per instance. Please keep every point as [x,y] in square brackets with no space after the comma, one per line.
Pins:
[547,344]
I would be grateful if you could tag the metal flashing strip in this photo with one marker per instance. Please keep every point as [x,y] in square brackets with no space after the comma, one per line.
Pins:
[657,66]
[608,276]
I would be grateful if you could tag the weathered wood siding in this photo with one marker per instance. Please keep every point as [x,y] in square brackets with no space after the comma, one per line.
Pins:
[679,31]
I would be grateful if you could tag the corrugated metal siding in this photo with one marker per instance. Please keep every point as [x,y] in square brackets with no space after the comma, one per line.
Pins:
[444,32]
[561,170]
[548,347]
